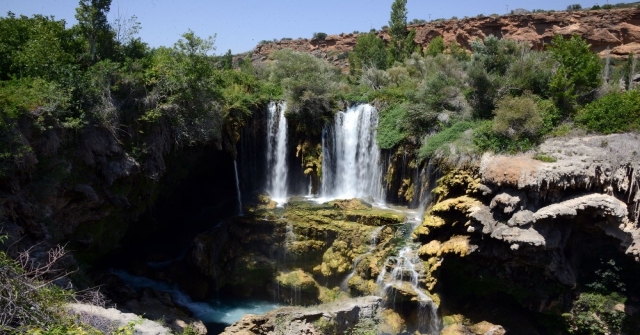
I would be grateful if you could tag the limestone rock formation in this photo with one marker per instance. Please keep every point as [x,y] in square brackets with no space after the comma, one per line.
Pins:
[109,319]
[527,212]
[332,318]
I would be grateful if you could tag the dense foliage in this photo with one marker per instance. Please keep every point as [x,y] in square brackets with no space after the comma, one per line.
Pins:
[60,86]
[614,113]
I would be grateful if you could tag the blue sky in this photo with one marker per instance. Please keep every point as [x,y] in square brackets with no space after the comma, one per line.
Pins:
[241,24]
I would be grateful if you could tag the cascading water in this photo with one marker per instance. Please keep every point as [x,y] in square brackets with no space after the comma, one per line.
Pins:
[404,271]
[407,268]
[235,167]
[373,242]
[277,153]
[351,157]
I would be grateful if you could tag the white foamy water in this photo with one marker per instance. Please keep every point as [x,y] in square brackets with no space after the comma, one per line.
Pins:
[351,157]
[277,152]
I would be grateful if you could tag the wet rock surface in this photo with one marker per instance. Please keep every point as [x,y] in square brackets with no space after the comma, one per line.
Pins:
[333,318]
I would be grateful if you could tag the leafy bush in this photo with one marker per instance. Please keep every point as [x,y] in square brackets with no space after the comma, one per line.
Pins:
[369,51]
[27,299]
[530,72]
[319,36]
[436,46]
[438,141]
[491,60]
[573,7]
[374,78]
[487,140]
[613,113]
[595,314]
[517,117]
[578,72]
[390,130]
[309,86]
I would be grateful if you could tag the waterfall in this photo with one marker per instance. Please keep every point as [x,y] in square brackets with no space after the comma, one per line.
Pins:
[277,153]
[351,157]
[235,167]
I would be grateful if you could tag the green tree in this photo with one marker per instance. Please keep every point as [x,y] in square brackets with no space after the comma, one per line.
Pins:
[369,51]
[577,74]
[93,25]
[402,44]
[36,46]
[436,46]
[309,85]
[227,60]
[491,60]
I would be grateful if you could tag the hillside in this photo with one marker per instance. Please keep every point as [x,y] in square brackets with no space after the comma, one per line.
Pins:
[618,30]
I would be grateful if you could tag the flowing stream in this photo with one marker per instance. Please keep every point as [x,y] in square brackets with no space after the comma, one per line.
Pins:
[351,157]
[277,152]
[216,314]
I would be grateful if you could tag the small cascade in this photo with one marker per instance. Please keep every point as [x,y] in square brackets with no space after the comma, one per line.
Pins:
[351,157]
[235,167]
[403,272]
[277,152]
[373,242]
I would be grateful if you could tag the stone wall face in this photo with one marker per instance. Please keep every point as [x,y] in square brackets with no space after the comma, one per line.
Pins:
[608,31]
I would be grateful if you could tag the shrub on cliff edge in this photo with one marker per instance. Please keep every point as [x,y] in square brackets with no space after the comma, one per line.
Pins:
[613,113]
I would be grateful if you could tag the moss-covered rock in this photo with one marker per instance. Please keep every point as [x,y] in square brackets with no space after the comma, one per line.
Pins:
[350,204]
[391,323]
[321,241]
[297,288]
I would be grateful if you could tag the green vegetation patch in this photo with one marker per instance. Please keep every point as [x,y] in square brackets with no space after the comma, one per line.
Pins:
[447,136]
[614,113]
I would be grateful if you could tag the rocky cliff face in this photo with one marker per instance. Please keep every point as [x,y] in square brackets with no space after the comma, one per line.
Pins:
[536,230]
[617,30]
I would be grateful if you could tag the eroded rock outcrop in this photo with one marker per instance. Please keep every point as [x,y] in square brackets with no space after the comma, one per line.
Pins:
[537,224]
[335,318]
[617,30]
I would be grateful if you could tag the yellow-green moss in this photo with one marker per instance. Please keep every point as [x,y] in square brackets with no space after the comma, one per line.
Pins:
[331,295]
[464,181]
[350,204]
[361,286]
[391,322]
[463,204]
[407,190]
[337,259]
[430,249]
[296,279]
[455,319]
